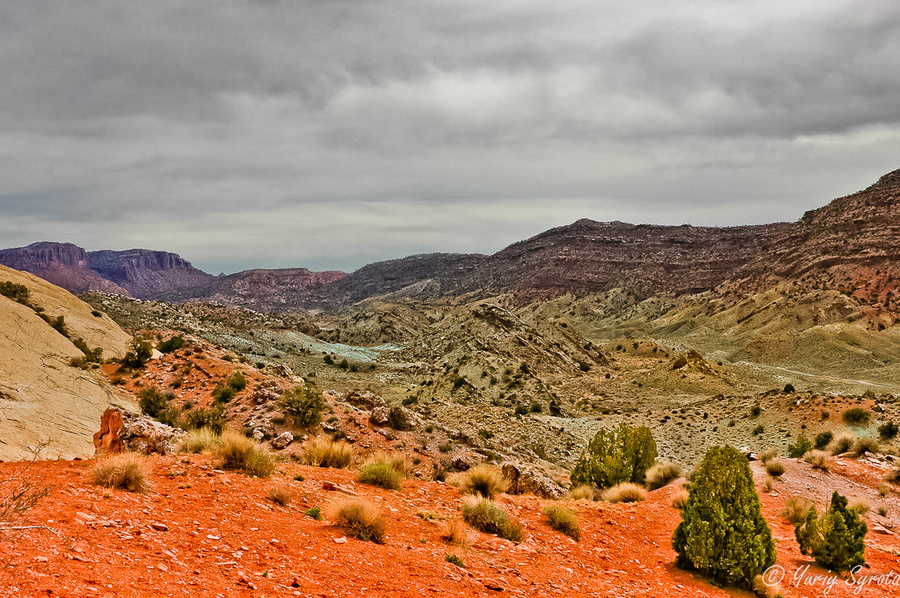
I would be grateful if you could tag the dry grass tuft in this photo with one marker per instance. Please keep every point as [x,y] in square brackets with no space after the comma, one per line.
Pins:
[842,443]
[563,520]
[768,454]
[662,474]
[489,517]
[397,460]
[281,495]
[124,472]
[624,492]
[863,446]
[455,533]
[775,468]
[321,452]
[380,474]
[679,499]
[818,460]
[893,476]
[485,480]
[583,492]
[860,505]
[239,453]
[359,519]
[796,508]
[198,441]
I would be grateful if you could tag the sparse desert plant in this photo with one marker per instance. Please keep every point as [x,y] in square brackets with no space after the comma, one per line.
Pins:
[769,484]
[888,431]
[799,448]
[623,454]
[818,460]
[223,393]
[582,492]
[20,490]
[662,474]
[864,445]
[171,345]
[489,517]
[359,519]
[198,441]
[321,452]
[138,354]
[455,560]
[775,468]
[237,381]
[396,459]
[281,495]
[722,531]
[380,474]
[859,504]
[208,418]
[679,498]
[563,520]
[893,476]
[796,508]
[823,439]
[485,480]
[768,454]
[237,452]
[882,510]
[455,533]
[124,472]
[857,416]
[884,490]
[314,512]
[304,405]
[842,443]
[624,492]
[836,539]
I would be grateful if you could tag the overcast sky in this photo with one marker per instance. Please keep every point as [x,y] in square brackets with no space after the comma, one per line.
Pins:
[329,134]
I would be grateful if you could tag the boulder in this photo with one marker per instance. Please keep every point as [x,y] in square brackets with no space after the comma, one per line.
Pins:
[107,441]
[143,434]
[524,479]
[364,400]
[282,440]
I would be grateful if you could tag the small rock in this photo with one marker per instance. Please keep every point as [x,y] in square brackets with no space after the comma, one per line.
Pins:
[879,529]
[283,440]
[160,527]
[341,540]
[41,559]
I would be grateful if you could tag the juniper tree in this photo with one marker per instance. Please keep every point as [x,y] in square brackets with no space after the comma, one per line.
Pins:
[623,454]
[722,532]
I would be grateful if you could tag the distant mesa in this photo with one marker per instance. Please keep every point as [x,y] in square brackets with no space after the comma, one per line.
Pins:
[851,239]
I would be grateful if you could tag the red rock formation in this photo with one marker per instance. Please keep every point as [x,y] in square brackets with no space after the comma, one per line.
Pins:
[63,264]
[107,440]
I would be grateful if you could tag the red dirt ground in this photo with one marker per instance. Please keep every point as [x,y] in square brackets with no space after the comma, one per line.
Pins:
[225,538]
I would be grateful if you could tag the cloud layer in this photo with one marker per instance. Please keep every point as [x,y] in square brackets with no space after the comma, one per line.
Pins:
[330,133]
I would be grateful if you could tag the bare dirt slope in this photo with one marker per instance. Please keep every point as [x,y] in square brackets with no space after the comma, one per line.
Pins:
[43,399]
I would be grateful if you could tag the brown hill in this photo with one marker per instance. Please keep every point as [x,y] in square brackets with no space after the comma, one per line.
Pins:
[64,264]
[43,399]
[147,274]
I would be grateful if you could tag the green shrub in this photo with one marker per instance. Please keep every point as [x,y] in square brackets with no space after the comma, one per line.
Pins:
[662,474]
[623,454]
[755,411]
[209,418]
[857,416]
[836,539]
[314,512]
[799,448]
[722,532]
[788,388]
[380,474]
[156,405]
[563,520]
[237,381]
[455,560]
[94,355]
[138,354]
[823,439]
[16,292]
[171,345]
[223,393]
[888,431]
[304,405]
[490,518]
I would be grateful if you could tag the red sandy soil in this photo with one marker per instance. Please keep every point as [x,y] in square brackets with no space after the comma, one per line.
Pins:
[220,536]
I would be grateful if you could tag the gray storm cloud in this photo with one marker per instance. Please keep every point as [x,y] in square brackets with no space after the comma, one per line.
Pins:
[333,133]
